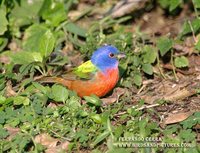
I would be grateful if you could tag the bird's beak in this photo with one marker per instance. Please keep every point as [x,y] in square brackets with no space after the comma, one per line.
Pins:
[120,55]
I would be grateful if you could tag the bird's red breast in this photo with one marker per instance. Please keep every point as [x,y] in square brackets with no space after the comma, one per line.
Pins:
[99,85]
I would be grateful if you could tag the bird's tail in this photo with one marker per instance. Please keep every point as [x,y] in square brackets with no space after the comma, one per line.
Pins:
[59,80]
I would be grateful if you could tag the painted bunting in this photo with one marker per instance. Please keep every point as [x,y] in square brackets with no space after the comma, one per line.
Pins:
[97,76]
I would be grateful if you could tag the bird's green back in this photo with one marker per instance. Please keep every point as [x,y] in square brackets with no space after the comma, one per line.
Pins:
[85,70]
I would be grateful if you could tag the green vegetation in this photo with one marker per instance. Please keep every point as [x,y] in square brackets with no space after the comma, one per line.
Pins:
[40,37]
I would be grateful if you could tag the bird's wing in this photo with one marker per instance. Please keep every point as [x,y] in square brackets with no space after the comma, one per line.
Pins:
[86,70]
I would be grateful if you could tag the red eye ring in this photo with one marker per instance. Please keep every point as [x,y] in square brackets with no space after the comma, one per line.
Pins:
[111,55]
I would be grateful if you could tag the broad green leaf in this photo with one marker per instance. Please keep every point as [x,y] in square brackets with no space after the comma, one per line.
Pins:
[40,87]
[3,133]
[74,102]
[187,28]
[19,100]
[2,99]
[164,44]
[25,12]
[59,93]
[53,12]
[197,45]
[75,29]
[100,138]
[196,3]
[2,118]
[147,68]
[3,42]
[170,4]
[46,44]
[24,57]
[181,62]
[163,3]
[174,4]
[36,57]
[190,122]
[137,79]
[93,100]
[96,118]
[149,54]
[136,60]
[3,21]
[33,36]
[188,135]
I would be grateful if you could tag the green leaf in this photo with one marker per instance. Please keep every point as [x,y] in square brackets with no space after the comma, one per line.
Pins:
[19,100]
[24,57]
[187,28]
[46,44]
[196,3]
[38,86]
[197,45]
[136,60]
[96,118]
[3,42]
[3,133]
[164,44]
[59,93]
[3,21]
[109,126]
[25,13]
[181,62]
[53,12]
[171,4]
[137,79]
[174,4]
[93,100]
[100,138]
[163,3]
[187,135]
[147,68]
[2,99]
[75,29]
[149,54]
[33,36]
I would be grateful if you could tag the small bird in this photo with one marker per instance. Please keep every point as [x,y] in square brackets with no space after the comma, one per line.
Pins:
[97,76]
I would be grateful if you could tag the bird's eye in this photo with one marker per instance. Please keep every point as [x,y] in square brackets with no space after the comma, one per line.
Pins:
[111,55]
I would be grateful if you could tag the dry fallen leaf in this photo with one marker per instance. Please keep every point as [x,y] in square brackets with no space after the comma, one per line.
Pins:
[175,118]
[109,100]
[46,140]
[61,147]
[4,59]
[179,95]
[9,90]
[114,97]
[51,143]
[125,7]
[12,132]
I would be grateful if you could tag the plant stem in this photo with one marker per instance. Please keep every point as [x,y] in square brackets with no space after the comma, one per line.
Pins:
[173,67]
[159,67]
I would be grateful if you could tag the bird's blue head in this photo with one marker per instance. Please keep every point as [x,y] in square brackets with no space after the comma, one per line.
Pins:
[106,57]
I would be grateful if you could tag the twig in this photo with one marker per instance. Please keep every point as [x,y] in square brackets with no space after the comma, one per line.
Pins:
[159,67]
[193,33]
[173,67]
[146,107]
[68,139]
[119,114]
